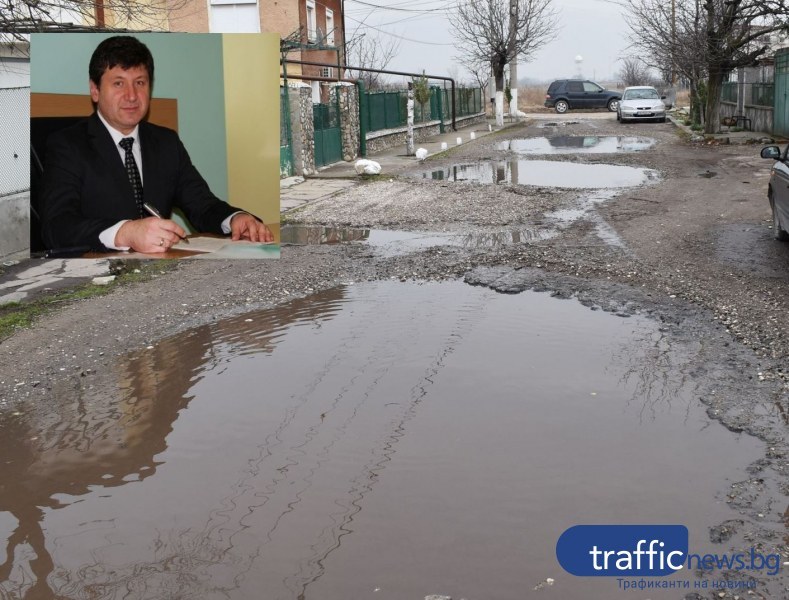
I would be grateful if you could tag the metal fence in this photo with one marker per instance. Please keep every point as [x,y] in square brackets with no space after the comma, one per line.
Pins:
[754,94]
[14,140]
[468,101]
[388,110]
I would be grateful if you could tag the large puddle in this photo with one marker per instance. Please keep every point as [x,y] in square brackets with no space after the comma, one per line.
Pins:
[574,144]
[396,242]
[381,440]
[545,173]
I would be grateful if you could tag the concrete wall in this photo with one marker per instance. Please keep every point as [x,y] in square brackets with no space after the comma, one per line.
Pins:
[15,226]
[761,116]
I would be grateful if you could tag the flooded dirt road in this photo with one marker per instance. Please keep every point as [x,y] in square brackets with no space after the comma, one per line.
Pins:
[312,450]
[434,382]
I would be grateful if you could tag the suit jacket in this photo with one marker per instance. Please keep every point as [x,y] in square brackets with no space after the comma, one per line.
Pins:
[86,189]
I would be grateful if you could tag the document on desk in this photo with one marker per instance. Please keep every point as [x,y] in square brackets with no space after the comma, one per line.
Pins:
[215,248]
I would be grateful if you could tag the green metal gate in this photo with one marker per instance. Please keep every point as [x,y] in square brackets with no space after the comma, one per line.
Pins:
[328,144]
[781,98]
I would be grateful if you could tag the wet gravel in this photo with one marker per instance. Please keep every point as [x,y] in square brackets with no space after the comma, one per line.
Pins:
[697,254]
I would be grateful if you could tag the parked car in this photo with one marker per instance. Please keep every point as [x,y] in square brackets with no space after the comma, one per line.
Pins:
[564,94]
[778,191]
[640,103]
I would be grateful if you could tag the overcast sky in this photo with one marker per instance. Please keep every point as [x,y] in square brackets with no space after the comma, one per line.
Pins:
[593,29]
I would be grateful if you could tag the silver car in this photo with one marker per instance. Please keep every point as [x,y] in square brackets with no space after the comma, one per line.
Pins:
[641,103]
[778,191]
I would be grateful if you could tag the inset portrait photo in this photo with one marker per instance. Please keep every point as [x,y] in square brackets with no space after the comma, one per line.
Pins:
[161,145]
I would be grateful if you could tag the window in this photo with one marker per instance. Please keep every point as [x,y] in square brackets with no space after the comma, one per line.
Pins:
[312,22]
[329,27]
[327,72]
[575,86]
[592,87]
[234,16]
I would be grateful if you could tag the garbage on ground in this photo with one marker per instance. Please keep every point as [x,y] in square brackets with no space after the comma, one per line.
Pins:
[365,166]
[103,280]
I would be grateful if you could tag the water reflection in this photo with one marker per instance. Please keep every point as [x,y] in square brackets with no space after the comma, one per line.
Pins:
[545,173]
[572,144]
[110,439]
[396,242]
[324,448]
[302,235]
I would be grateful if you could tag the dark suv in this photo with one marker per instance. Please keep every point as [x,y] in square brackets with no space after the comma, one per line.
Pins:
[564,94]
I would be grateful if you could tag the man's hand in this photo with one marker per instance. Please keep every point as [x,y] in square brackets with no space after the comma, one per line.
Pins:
[244,226]
[149,235]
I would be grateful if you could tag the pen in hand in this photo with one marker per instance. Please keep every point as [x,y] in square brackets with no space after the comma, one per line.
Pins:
[155,213]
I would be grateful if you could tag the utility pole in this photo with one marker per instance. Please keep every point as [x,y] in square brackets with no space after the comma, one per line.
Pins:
[514,62]
[673,41]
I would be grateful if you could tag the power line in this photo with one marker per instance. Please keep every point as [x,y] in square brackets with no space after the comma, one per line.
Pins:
[399,36]
[443,8]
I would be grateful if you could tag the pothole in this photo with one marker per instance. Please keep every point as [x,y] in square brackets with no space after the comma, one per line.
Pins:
[572,144]
[544,173]
[323,448]
[393,242]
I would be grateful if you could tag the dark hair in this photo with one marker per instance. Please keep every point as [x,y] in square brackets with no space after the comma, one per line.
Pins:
[122,51]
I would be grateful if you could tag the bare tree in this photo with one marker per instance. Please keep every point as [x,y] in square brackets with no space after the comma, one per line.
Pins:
[370,52]
[19,17]
[478,70]
[497,31]
[634,72]
[736,35]
[706,39]
[675,37]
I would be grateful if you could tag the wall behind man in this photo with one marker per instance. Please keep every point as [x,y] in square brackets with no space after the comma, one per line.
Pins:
[187,67]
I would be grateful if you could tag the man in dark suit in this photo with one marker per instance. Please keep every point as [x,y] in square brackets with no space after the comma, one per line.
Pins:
[94,193]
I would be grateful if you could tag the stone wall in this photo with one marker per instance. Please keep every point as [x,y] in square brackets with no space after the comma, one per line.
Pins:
[350,128]
[302,129]
[390,138]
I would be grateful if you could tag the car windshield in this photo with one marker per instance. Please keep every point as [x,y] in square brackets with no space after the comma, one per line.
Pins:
[645,94]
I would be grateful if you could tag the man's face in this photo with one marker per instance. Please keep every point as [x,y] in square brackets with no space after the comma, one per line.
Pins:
[123,96]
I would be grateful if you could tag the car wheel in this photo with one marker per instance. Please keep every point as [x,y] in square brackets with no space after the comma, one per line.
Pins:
[618,117]
[561,106]
[778,231]
[612,104]
[623,120]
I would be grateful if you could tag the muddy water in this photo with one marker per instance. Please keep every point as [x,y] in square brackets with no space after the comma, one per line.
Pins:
[545,173]
[394,243]
[572,144]
[382,440]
